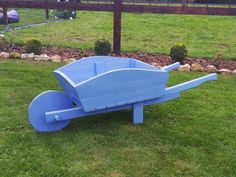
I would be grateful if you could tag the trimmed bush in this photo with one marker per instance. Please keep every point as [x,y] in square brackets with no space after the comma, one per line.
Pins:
[102,47]
[65,14]
[178,53]
[218,60]
[4,44]
[219,56]
[15,55]
[33,46]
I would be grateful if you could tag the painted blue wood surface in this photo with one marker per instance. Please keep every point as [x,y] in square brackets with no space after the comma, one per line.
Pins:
[190,84]
[171,67]
[45,102]
[138,113]
[104,84]
[77,112]
[120,87]
[92,82]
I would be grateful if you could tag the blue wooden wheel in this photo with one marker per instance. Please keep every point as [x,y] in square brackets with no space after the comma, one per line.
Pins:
[45,102]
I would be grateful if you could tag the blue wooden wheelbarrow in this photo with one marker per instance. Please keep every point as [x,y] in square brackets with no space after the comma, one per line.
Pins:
[101,84]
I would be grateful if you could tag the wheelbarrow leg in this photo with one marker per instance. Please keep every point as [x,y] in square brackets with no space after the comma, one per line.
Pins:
[138,113]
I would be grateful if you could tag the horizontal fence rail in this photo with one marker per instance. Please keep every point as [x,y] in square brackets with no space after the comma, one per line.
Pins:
[137,6]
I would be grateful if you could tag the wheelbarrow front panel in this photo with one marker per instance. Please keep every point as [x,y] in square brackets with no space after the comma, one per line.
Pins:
[120,87]
[68,86]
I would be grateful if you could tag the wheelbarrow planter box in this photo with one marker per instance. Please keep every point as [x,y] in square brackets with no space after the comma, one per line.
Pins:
[101,84]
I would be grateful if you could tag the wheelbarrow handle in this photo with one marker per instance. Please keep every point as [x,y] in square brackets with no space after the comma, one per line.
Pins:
[190,84]
[171,67]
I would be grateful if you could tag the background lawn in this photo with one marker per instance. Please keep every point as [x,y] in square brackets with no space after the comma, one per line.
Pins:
[29,16]
[191,136]
[204,36]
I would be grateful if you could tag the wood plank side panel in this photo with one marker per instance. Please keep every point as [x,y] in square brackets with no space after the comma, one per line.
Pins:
[120,87]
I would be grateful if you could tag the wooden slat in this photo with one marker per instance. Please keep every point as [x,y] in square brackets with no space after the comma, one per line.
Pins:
[125,8]
[56,5]
[179,10]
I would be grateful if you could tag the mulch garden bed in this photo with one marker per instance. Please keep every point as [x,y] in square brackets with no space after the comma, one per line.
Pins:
[156,59]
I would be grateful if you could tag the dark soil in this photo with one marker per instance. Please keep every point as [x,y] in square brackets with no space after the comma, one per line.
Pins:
[155,59]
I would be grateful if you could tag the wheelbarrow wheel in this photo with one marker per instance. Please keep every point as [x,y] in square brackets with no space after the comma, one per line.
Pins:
[45,102]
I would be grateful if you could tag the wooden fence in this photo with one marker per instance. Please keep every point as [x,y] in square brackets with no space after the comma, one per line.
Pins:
[119,6]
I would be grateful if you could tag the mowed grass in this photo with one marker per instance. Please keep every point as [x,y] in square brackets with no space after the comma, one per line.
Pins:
[191,136]
[29,16]
[204,36]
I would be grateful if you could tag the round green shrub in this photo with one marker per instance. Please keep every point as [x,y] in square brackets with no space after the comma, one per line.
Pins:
[65,14]
[4,44]
[178,53]
[102,47]
[33,46]
[15,55]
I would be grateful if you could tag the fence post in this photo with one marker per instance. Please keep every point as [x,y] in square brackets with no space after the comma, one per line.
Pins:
[117,27]
[184,3]
[5,19]
[46,11]
[230,2]
[47,14]
[78,2]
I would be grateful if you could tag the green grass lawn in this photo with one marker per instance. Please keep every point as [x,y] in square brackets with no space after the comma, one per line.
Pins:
[191,136]
[29,16]
[204,36]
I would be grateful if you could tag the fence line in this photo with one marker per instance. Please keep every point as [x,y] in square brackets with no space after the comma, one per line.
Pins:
[119,6]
